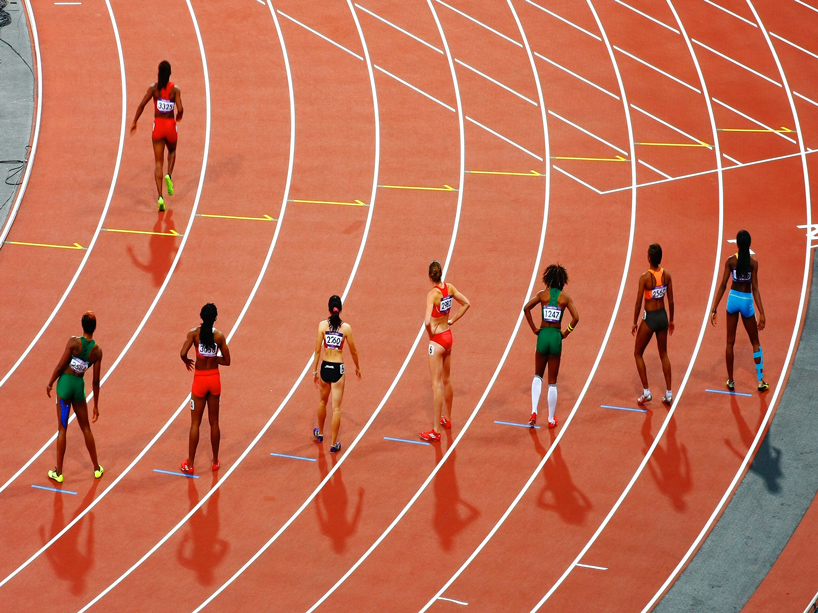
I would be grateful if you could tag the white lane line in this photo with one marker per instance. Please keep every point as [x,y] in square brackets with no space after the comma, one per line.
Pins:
[577,179]
[762,428]
[792,44]
[318,34]
[37,121]
[702,330]
[564,20]
[737,16]
[755,121]
[736,62]
[656,170]
[460,602]
[653,19]
[591,134]
[508,140]
[173,266]
[810,7]
[67,3]
[399,29]
[805,98]
[488,78]
[593,567]
[479,23]
[813,604]
[659,70]
[732,159]
[573,74]
[671,126]
[410,86]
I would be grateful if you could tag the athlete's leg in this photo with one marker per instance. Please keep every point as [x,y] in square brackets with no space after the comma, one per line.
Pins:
[159,157]
[337,399]
[540,361]
[553,373]
[60,438]
[661,341]
[751,326]
[732,324]
[448,389]
[195,421]
[323,391]
[171,158]
[436,353]
[213,418]
[81,411]
[643,335]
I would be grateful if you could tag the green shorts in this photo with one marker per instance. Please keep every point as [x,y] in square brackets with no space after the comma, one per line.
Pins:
[549,341]
[71,388]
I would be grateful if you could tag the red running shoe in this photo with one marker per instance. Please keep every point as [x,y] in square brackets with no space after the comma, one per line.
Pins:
[187,468]
[533,420]
[215,465]
[554,425]
[445,422]
[430,436]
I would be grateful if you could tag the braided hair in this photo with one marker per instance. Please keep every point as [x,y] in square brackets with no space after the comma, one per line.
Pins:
[335,308]
[208,315]
[555,276]
[743,241]
[164,75]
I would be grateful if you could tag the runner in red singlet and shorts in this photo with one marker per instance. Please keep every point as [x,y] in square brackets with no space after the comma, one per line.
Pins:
[166,97]
[438,322]
[211,351]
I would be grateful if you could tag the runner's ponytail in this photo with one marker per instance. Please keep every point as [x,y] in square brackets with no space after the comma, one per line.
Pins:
[164,75]
[743,241]
[208,315]
[335,308]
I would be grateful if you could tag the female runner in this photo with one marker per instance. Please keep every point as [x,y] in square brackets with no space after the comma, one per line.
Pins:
[654,284]
[438,308]
[553,301]
[211,351]
[332,333]
[743,267]
[80,353]
[165,96]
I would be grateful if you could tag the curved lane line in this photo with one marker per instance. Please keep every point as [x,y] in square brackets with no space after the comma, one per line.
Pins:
[36,137]
[762,429]
[716,269]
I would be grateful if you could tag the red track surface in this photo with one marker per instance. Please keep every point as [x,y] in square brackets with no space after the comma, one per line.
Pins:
[336,508]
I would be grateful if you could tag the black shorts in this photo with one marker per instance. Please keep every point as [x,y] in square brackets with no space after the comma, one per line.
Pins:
[656,320]
[331,372]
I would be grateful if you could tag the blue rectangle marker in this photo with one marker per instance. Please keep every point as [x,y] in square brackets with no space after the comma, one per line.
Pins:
[405,440]
[511,423]
[729,393]
[177,474]
[54,489]
[610,406]
[293,457]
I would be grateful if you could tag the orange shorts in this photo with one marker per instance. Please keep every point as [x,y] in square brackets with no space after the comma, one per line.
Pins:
[206,382]
[164,127]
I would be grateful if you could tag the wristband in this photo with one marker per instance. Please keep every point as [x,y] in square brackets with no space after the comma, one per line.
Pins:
[315,373]
[570,329]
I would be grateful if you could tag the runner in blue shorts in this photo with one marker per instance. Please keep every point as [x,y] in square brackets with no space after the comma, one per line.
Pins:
[743,268]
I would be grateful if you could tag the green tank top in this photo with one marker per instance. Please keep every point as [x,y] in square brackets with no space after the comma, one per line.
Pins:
[79,363]
[552,312]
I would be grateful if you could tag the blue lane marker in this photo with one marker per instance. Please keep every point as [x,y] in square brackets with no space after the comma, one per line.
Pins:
[405,440]
[54,489]
[511,423]
[610,406]
[293,457]
[729,393]
[176,474]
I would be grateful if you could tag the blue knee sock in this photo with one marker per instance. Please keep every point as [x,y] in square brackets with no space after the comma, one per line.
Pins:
[760,366]
[65,406]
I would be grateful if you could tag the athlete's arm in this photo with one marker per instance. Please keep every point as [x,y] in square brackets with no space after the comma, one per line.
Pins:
[569,304]
[179,108]
[430,304]
[189,364]
[141,108]
[762,319]
[66,357]
[527,310]
[670,307]
[224,359]
[353,350]
[317,354]
[720,291]
[638,308]
[464,304]
[95,385]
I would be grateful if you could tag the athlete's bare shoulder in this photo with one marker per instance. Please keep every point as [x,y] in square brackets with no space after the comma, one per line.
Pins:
[345,328]
[219,336]
[323,325]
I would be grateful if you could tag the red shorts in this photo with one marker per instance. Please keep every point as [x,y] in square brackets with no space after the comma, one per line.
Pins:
[164,127]
[444,339]
[206,382]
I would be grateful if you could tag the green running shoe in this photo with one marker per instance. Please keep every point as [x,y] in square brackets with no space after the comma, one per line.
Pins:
[99,472]
[731,385]
[169,184]
[161,203]
[52,474]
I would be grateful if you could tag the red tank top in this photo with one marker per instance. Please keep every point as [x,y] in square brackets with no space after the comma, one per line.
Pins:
[442,310]
[163,104]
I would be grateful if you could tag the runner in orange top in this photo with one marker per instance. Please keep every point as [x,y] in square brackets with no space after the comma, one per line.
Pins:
[166,98]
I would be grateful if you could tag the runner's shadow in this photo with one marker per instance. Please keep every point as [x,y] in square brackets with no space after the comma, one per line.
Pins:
[201,550]
[568,500]
[163,249]
[767,462]
[669,467]
[69,563]
[331,507]
[448,521]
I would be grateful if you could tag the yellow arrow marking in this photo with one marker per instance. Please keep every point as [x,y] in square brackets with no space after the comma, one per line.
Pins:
[445,188]
[171,233]
[356,203]
[783,130]
[265,218]
[74,246]
[618,158]
[533,173]
[699,144]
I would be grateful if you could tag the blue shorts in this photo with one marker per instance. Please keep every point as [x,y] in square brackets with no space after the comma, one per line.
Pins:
[740,302]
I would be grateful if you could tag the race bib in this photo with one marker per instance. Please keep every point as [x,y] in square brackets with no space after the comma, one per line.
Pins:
[551,314]
[207,353]
[164,106]
[658,292]
[445,304]
[333,340]
[78,366]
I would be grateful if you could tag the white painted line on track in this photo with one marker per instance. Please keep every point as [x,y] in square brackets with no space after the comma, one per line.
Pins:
[573,74]
[755,121]
[656,170]
[734,160]
[479,23]
[460,602]
[736,62]
[659,70]
[488,78]
[792,44]
[577,179]
[418,90]
[702,330]
[813,604]
[729,12]
[591,134]
[809,6]
[671,126]
[399,29]
[592,567]
[564,20]
[508,140]
[805,98]
[653,19]
[318,34]
[762,428]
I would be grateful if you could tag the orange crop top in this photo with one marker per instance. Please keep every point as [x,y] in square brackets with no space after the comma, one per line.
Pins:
[659,289]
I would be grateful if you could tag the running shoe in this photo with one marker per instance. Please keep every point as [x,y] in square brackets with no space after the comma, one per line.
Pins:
[731,385]
[318,436]
[52,474]
[445,422]
[552,424]
[533,420]
[161,203]
[215,465]
[99,472]
[668,399]
[169,185]
[763,386]
[187,467]
[430,436]
[335,448]
[644,398]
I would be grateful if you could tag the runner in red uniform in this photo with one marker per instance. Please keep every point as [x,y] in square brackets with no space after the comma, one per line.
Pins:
[166,98]
[438,309]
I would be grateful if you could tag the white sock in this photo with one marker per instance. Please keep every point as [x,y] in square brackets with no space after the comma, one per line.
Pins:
[536,389]
[646,392]
[552,401]
[668,394]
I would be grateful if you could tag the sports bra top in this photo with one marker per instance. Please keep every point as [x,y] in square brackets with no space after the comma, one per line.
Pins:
[333,339]
[442,310]
[162,104]
[79,363]
[552,312]
[659,289]
[744,278]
